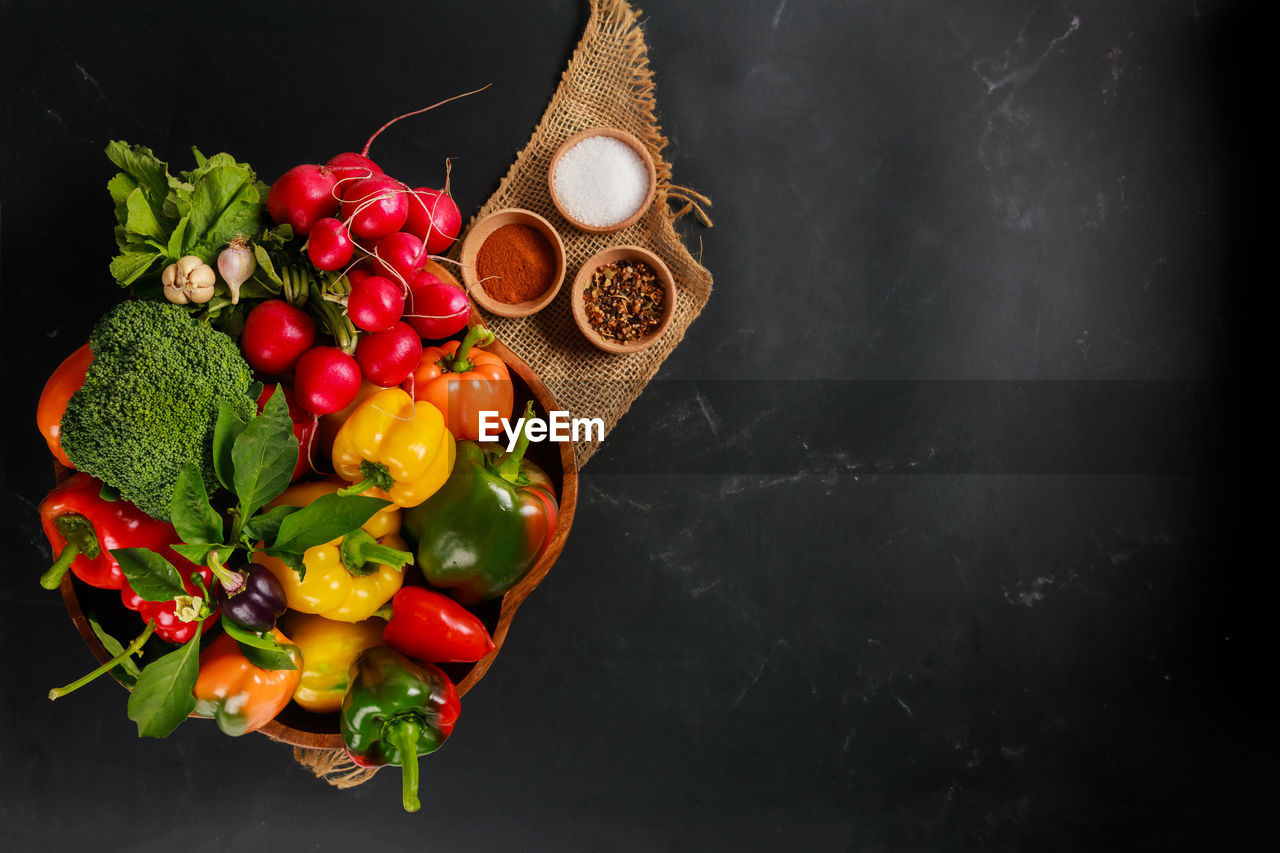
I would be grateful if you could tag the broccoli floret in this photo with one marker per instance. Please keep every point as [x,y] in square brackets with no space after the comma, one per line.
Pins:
[150,401]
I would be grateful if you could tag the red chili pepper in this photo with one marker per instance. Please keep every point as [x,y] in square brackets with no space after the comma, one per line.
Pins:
[83,528]
[434,628]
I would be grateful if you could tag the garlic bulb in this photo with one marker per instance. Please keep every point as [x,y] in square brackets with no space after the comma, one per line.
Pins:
[189,280]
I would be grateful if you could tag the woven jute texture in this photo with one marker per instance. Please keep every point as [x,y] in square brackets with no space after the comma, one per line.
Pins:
[608,84]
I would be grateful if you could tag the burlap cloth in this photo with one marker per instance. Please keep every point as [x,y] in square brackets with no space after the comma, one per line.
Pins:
[608,83]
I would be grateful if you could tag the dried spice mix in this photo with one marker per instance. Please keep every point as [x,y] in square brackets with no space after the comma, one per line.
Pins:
[624,301]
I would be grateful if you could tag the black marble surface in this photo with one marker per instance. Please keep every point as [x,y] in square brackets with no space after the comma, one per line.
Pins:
[930,535]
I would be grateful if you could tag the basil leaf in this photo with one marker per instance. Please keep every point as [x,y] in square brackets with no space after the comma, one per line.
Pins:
[128,267]
[264,526]
[162,698]
[292,560]
[199,553]
[152,577]
[225,432]
[189,511]
[324,520]
[262,650]
[126,672]
[264,455]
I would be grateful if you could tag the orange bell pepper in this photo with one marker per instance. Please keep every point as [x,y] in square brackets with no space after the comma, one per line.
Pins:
[64,382]
[241,697]
[462,382]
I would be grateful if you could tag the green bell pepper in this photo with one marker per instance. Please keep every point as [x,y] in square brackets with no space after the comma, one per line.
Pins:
[482,531]
[394,711]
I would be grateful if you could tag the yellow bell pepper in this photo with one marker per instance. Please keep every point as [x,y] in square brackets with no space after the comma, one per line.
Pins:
[330,589]
[328,648]
[393,448]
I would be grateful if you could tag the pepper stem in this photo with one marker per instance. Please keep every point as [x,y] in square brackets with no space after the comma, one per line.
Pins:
[508,467]
[476,336]
[132,649]
[51,578]
[376,475]
[231,581]
[81,539]
[404,737]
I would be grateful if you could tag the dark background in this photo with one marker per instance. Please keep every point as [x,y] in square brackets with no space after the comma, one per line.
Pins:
[931,534]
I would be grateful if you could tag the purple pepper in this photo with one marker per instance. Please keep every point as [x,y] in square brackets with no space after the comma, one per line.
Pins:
[258,602]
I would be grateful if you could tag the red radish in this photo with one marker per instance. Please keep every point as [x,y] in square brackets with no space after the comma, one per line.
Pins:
[301,196]
[375,303]
[275,336]
[329,246]
[435,308]
[433,216]
[388,357]
[304,427]
[375,207]
[397,255]
[352,165]
[325,380]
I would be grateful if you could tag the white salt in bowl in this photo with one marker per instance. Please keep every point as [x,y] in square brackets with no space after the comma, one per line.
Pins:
[602,188]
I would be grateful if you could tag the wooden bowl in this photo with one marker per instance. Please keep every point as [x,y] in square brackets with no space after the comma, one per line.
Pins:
[320,731]
[609,256]
[471,248]
[635,145]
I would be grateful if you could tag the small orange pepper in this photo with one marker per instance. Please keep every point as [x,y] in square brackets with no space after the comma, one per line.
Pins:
[241,697]
[463,381]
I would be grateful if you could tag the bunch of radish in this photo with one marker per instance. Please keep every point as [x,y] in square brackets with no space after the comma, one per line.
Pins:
[379,234]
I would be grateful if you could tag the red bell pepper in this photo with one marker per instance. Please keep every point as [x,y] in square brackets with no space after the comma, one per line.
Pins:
[83,528]
[434,628]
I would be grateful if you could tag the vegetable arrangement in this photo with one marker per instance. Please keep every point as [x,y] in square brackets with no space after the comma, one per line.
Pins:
[272,556]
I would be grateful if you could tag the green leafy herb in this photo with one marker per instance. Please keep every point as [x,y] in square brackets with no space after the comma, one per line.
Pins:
[324,520]
[264,456]
[265,526]
[225,432]
[163,697]
[262,650]
[152,577]
[199,553]
[126,672]
[195,520]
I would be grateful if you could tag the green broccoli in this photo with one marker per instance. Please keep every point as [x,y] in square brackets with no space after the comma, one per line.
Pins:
[150,401]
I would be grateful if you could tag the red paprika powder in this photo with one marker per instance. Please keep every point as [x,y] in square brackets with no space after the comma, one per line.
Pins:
[515,264]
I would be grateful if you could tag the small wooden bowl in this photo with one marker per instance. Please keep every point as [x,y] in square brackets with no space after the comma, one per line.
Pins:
[609,256]
[635,145]
[320,731]
[471,248]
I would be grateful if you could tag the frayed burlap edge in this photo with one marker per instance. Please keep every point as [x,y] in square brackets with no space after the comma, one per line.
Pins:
[333,766]
[607,83]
